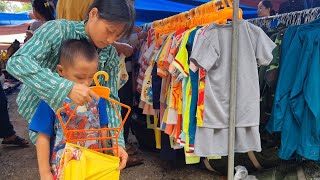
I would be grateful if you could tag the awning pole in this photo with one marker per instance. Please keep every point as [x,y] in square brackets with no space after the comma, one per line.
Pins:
[233,88]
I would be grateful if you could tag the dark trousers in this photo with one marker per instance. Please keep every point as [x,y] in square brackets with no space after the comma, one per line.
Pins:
[126,97]
[6,128]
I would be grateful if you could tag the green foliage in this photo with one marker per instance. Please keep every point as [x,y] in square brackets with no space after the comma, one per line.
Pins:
[7,6]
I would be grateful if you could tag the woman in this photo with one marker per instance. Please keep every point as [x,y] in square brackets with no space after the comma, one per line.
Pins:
[6,128]
[265,9]
[35,62]
[43,10]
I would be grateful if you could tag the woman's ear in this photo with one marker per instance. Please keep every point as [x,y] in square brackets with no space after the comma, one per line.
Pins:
[60,70]
[93,13]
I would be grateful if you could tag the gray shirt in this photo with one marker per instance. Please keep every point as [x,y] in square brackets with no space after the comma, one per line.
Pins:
[212,52]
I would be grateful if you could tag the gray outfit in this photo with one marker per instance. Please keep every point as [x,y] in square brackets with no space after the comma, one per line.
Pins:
[212,52]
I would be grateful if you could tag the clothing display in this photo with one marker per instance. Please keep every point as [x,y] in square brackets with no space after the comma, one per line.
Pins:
[188,74]
[212,53]
[288,111]
[296,106]
[186,83]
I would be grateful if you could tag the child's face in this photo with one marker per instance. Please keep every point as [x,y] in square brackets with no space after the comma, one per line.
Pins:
[81,71]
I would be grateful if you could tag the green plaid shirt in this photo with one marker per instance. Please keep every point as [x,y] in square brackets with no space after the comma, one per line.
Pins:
[35,63]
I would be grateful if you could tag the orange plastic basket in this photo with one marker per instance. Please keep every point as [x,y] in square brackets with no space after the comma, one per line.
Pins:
[103,92]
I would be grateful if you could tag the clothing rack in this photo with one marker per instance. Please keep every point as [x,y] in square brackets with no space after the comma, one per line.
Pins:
[292,18]
[234,67]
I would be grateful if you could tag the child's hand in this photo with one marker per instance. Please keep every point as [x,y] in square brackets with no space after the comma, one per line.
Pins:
[47,176]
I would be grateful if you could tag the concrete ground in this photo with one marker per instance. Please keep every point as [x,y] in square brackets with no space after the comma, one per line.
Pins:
[21,163]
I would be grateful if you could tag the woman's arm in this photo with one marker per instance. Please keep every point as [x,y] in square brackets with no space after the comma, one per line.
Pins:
[50,87]
[24,65]
[43,155]
[123,48]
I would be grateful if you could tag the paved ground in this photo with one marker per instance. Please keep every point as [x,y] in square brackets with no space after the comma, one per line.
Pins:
[21,164]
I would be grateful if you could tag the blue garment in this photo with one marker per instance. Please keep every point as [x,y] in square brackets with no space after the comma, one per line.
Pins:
[194,77]
[295,113]
[194,91]
[288,67]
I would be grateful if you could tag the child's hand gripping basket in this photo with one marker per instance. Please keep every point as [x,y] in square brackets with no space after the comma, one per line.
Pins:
[80,163]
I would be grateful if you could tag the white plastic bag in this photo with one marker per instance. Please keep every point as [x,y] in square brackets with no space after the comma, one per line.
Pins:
[242,174]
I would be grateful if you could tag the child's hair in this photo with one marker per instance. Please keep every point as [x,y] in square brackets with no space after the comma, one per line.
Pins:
[44,8]
[268,5]
[72,48]
[116,11]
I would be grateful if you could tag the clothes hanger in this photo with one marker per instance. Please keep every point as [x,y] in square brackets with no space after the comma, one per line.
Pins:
[103,92]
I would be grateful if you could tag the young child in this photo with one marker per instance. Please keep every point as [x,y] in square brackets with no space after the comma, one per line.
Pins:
[78,62]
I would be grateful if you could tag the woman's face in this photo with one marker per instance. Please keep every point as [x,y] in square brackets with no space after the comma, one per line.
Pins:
[102,32]
[263,11]
[37,15]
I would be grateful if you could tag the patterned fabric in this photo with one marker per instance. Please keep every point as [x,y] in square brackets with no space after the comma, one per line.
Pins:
[268,77]
[200,104]
[86,117]
[34,64]
[123,73]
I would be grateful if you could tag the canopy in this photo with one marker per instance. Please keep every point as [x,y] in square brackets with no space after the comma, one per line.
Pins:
[147,11]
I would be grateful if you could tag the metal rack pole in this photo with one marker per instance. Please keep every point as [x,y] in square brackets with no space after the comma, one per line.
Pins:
[233,88]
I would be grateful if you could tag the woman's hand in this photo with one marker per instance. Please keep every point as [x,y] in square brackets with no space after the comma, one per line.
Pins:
[81,94]
[123,155]
[123,48]
[136,29]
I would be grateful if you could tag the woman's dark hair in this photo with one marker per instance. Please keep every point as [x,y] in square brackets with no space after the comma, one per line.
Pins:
[44,8]
[116,11]
[268,5]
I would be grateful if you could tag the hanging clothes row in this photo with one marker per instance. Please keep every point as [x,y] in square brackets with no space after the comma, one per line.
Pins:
[284,105]
[184,80]
[295,112]
[293,18]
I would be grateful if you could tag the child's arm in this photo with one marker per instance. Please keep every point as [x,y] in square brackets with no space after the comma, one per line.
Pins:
[103,121]
[43,124]
[43,154]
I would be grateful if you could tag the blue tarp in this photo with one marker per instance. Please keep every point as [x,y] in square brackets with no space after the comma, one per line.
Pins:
[147,11]
[14,19]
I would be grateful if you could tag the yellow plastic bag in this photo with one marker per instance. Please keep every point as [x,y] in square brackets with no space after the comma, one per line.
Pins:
[79,163]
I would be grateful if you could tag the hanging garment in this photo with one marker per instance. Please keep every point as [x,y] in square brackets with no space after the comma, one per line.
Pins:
[84,164]
[294,110]
[212,52]
[123,74]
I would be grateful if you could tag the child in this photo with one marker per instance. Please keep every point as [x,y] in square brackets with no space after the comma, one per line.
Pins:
[78,62]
